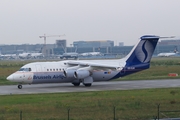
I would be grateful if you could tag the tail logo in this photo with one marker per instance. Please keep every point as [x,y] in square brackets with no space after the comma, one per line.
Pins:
[144,51]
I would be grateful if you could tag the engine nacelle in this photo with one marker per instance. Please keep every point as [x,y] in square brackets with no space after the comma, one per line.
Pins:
[69,73]
[81,74]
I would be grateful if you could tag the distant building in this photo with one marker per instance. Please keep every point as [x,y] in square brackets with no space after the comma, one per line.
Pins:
[167,46]
[121,43]
[103,46]
[61,43]
[169,42]
[101,43]
[16,49]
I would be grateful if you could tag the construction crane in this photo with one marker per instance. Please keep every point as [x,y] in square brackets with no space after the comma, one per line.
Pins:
[45,36]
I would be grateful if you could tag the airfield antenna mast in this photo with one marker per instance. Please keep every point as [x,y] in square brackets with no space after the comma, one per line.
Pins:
[44,36]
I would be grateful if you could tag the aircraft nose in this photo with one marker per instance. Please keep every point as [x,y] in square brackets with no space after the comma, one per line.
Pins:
[10,77]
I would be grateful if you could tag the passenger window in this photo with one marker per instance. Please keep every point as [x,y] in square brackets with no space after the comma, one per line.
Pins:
[53,69]
[29,69]
[50,69]
[47,69]
[56,69]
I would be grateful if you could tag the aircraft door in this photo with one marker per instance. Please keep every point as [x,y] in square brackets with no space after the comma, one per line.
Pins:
[123,71]
[21,76]
[38,68]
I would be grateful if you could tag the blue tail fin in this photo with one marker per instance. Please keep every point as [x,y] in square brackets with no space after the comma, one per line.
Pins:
[139,57]
[143,51]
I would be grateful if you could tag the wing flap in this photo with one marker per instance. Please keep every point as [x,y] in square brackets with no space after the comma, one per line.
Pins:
[94,66]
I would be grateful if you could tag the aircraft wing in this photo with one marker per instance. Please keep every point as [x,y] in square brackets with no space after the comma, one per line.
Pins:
[93,65]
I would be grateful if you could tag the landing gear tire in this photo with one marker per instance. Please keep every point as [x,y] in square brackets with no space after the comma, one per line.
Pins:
[88,85]
[76,84]
[20,86]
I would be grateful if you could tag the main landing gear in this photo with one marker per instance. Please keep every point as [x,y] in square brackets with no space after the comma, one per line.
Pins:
[20,86]
[76,84]
[88,85]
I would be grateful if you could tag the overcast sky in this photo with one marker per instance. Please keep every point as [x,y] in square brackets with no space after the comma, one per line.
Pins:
[23,21]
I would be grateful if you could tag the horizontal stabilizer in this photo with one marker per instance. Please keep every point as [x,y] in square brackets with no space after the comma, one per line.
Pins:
[154,37]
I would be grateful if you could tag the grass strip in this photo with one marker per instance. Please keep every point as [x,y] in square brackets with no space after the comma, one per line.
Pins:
[129,105]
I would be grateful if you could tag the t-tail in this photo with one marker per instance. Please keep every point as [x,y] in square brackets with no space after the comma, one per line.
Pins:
[139,57]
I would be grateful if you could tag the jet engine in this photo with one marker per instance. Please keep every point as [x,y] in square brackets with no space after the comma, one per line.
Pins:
[81,74]
[69,73]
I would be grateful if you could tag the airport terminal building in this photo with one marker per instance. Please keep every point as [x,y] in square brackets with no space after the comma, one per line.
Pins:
[100,43]
[104,46]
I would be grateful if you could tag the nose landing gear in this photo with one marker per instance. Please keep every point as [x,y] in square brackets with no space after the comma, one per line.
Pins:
[20,86]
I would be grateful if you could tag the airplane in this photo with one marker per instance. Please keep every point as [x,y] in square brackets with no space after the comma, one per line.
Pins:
[29,55]
[37,55]
[24,55]
[8,56]
[69,55]
[88,71]
[169,53]
[91,54]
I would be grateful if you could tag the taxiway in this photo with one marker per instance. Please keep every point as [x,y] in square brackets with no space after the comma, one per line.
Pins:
[96,86]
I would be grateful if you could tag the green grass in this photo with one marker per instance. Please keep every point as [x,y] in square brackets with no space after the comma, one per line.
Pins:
[129,105]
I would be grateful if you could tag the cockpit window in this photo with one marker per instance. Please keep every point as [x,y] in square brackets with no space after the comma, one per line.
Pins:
[21,69]
[25,69]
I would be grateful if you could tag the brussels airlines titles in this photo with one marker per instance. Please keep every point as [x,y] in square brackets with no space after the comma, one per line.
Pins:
[35,77]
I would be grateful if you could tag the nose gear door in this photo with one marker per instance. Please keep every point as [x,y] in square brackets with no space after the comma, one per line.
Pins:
[38,68]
